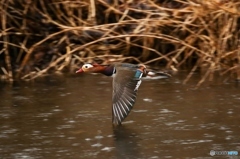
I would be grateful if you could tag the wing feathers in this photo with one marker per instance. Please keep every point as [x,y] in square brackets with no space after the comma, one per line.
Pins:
[123,101]
[123,107]
[125,86]
[116,113]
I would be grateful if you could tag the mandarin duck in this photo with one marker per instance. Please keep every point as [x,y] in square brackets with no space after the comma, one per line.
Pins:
[126,81]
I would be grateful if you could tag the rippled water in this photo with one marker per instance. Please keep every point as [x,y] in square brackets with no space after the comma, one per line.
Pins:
[70,117]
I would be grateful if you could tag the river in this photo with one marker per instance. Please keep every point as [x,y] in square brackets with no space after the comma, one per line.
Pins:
[70,117]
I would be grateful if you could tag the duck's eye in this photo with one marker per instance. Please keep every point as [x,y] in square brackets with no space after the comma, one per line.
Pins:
[87,66]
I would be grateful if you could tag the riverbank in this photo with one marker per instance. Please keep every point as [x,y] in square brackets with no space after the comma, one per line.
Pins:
[58,36]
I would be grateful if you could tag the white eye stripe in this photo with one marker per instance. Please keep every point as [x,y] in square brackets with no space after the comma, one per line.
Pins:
[87,66]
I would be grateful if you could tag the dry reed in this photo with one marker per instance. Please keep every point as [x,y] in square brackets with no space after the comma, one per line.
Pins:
[45,36]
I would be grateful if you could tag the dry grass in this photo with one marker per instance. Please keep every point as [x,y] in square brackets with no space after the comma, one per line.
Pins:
[39,37]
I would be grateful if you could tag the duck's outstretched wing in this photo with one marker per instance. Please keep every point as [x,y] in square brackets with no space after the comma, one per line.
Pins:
[125,86]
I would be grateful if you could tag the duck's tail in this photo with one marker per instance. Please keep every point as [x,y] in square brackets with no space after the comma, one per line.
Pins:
[157,75]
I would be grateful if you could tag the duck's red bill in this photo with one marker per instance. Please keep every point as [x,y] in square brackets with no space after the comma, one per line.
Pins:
[79,71]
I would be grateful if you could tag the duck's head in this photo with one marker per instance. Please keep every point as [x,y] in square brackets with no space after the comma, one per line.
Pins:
[92,68]
[86,68]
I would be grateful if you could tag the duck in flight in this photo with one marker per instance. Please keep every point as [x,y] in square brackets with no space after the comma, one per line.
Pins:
[126,81]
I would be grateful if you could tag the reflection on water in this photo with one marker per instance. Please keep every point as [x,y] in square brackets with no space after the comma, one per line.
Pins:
[71,118]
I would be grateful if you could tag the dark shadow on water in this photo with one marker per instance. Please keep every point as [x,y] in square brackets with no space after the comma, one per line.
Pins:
[126,141]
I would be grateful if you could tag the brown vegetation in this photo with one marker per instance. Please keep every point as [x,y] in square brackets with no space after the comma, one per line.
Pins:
[45,36]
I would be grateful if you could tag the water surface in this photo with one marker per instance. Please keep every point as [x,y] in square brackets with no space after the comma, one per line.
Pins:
[70,117]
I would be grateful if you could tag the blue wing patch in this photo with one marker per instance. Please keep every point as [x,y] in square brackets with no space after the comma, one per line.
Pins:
[138,74]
